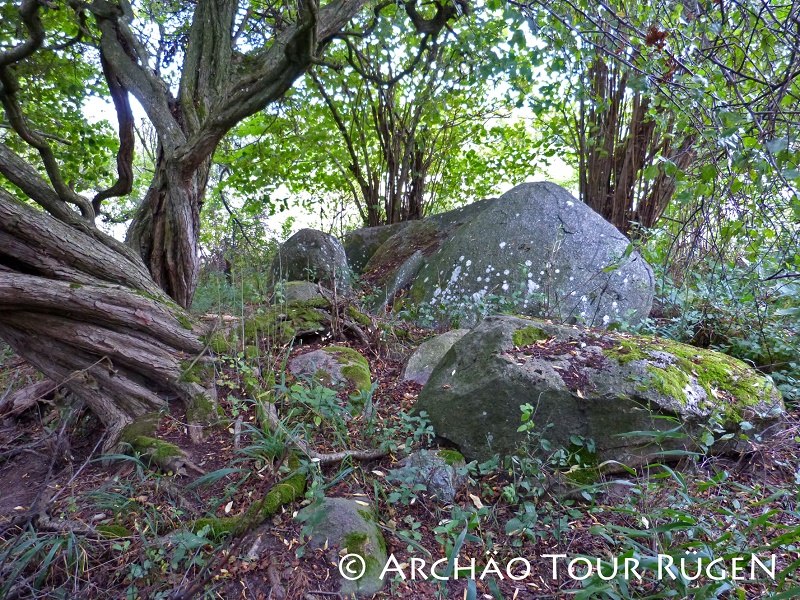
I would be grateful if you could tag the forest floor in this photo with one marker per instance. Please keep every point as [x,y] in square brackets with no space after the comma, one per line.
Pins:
[59,501]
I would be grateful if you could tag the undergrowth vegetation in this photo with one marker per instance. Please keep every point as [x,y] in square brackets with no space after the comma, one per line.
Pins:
[115,526]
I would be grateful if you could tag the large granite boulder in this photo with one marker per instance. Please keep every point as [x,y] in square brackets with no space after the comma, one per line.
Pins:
[535,251]
[396,262]
[311,255]
[538,251]
[347,532]
[588,384]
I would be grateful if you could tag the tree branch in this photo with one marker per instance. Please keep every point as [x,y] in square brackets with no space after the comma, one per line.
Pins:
[268,74]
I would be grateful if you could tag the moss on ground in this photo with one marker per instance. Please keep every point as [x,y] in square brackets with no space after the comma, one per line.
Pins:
[218,342]
[113,531]
[196,371]
[202,409]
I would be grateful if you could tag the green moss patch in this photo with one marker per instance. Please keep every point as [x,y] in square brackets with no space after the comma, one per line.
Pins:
[356,367]
[673,367]
[358,316]
[528,335]
[451,457]
[282,493]
[113,531]
[283,323]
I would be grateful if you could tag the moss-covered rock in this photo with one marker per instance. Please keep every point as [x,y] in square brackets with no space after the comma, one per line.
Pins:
[596,385]
[344,526]
[334,366]
[281,324]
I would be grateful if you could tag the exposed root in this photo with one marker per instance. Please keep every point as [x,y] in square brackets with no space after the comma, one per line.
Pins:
[284,492]
[168,457]
[322,458]
[18,402]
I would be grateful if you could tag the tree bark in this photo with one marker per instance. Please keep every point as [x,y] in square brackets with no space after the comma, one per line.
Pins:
[91,319]
[166,229]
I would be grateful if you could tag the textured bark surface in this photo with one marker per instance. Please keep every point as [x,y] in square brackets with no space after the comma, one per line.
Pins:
[618,138]
[91,319]
[166,230]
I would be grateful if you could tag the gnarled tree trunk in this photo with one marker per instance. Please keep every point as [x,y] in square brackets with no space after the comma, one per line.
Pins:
[166,229]
[83,309]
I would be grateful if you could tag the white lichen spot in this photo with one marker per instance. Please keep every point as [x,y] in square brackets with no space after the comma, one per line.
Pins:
[532,286]
[506,272]
[460,259]
[606,319]
[502,245]
[478,296]
[505,287]
[456,273]
[528,263]
[570,203]
[558,271]
[479,278]
[469,263]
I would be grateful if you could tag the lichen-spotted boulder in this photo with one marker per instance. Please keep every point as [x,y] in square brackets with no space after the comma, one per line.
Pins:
[421,363]
[311,255]
[544,253]
[347,531]
[592,385]
[395,263]
[335,367]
